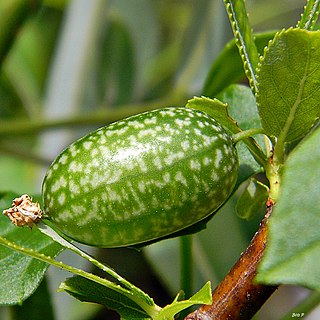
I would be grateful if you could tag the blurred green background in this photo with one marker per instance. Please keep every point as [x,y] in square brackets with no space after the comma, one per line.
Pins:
[68,67]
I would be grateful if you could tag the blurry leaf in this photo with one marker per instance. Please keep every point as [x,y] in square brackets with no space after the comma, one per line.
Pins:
[310,15]
[58,4]
[13,14]
[117,64]
[288,84]
[253,200]
[205,36]
[228,67]
[89,291]
[20,275]
[293,252]
[36,307]
[159,71]
[142,23]
[244,38]
[27,65]
[10,102]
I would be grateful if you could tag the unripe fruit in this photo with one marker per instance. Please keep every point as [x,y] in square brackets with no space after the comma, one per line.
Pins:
[141,178]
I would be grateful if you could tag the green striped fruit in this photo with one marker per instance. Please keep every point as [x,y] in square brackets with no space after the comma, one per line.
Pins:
[141,178]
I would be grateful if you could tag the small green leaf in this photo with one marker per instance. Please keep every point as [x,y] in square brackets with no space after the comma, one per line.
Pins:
[89,291]
[293,252]
[244,38]
[288,84]
[20,275]
[203,296]
[310,15]
[216,109]
[253,200]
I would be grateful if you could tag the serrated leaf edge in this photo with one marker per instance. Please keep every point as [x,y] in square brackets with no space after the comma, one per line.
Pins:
[249,68]
[311,18]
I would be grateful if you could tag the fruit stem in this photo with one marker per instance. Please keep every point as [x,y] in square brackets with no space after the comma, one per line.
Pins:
[242,135]
[151,310]
[136,294]
[253,147]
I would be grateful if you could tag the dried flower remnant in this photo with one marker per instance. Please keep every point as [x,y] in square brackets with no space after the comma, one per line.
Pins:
[24,212]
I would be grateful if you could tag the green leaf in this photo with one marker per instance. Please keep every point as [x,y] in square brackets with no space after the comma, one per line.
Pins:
[253,200]
[244,38]
[293,252]
[13,15]
[288,84]
[89,291]
[310,15]
[29,61]
[228,67]
[242,107]
[20,275]
[206,34]
[216,109]
[203,296]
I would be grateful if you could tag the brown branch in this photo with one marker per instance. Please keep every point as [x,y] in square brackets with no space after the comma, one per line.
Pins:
[238,296]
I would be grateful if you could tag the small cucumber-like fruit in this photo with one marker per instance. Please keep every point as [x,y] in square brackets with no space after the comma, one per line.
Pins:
[141,178]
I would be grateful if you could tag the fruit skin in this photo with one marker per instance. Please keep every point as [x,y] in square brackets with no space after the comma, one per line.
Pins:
[141,178]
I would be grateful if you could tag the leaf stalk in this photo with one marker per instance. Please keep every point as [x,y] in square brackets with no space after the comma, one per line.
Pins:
[151,310]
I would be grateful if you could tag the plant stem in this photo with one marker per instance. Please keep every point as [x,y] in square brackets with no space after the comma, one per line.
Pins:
[58,264]
[49,231]
[246,134]
[238,296]
[253,147]
[305,307]
[256,152]
[151,310]
[186,265]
